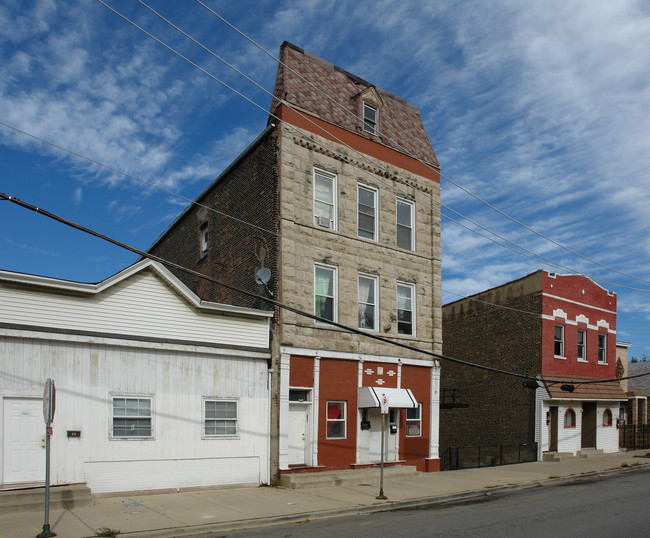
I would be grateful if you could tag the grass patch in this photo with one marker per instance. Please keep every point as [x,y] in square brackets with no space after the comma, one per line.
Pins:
[647,455]
[106,532]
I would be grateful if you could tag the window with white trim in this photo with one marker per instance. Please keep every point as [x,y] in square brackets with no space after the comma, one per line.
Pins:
[602,348]
[336,424]
[405,225]
[368,308]
[607,417]
[582,345]
[570,418]
[414,421]
[219,418]
[325,288]
[204,239]
[324,199]
[370,117]
[367,212]
[558,349]
[405,308]
[132,418]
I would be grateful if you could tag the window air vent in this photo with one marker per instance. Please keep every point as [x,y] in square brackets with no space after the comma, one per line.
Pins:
[323,221]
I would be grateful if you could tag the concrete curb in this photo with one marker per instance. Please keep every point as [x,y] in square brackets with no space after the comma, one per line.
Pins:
[422,502]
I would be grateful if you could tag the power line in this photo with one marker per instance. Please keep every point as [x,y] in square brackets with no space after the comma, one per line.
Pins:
[343,143]
[295,310]
[405,150]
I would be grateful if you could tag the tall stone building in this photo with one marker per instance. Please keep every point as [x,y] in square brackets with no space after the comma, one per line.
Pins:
[333,210]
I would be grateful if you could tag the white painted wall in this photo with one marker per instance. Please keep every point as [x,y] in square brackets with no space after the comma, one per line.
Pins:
[607,436]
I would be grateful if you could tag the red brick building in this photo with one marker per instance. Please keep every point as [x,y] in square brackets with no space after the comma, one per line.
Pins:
[339,199]
[557,327]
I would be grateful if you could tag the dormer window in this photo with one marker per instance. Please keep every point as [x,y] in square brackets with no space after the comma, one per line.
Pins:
[370,113]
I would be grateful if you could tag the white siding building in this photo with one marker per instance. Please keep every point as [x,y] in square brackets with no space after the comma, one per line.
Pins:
[155,389]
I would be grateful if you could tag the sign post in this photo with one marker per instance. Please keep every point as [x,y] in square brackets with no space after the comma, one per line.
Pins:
[384,412]
[49,403]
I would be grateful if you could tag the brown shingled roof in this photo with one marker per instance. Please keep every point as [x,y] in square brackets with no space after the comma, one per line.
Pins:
[592,391]
[398,120]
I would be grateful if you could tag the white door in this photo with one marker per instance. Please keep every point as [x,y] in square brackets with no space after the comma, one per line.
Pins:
[23,455]
[298,423]
[374,438]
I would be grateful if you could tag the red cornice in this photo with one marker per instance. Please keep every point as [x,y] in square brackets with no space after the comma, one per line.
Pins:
[364,145]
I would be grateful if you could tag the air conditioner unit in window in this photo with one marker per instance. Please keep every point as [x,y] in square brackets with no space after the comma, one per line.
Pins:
[323,221]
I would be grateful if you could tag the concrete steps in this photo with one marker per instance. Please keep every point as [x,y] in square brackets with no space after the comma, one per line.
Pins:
[568,456]
[33,499]
[302,480]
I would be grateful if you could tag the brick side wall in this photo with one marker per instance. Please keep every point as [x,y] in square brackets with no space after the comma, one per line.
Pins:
[501,411]
[414,450]
[236,250]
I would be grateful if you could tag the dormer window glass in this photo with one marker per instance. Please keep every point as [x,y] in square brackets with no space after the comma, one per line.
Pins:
[370,116]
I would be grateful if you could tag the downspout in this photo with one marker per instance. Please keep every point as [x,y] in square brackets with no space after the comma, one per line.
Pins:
[269,373]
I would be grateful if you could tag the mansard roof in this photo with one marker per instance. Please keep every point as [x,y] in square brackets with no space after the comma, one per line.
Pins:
[400,126]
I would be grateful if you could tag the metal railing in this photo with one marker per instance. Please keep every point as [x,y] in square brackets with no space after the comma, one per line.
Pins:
[467,457]
[634,436]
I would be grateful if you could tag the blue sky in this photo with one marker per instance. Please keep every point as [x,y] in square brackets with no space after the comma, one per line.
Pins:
[542,112]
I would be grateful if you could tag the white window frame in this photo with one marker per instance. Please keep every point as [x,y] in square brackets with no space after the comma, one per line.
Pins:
[375,193]
[582,346]
[335,306]
[411,288]
[343,420]
[320,220]
[375,284]
[414,421]
[204,240]
[235,420]
[410,227]
[561,341]
[138,417]
[370,125]
[602,350]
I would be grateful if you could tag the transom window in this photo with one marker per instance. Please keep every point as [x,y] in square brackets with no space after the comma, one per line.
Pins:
[559,341]
[405,227]
[602,348]
[368,302]
[367,212]
[414,421]
[370,117]
[220,418]
[324,199]
[132,417]
[582,345]
[405,308]
[325,292]
[336,428]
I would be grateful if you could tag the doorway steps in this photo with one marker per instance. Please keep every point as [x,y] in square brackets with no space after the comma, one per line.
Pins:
[568,456]
[345,477]
[33,498]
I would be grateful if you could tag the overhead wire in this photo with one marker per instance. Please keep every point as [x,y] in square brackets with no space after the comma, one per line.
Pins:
[408,152]
[375,163]
[284,306]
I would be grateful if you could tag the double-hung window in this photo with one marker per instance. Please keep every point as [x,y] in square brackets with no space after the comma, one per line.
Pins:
[219,418]
[368,307]
[405,226]
[559,341]
[414,421]
[325,292]
[324,199]
[336,420]
[405,308]
[367,212]
[582,345]
[204,239]
[370,113]
[131,418]
[602,348]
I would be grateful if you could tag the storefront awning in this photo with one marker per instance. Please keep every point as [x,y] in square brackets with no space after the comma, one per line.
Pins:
[397,398]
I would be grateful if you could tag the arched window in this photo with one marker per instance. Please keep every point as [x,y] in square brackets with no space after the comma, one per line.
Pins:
[570,419]
[607,418]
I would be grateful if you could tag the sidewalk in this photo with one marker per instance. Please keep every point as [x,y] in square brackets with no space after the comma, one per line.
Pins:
[222,510]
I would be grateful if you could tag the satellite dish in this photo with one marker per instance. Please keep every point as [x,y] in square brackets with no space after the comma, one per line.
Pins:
[263,276]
